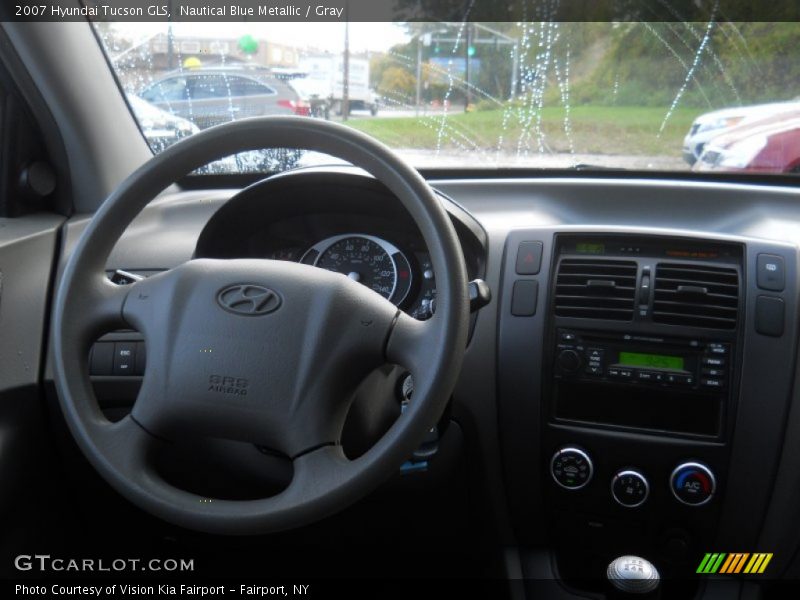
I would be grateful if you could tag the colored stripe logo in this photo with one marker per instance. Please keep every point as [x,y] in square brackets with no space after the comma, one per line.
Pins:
[733,563]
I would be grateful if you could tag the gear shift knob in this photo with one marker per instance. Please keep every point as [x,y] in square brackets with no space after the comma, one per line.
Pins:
[632,577]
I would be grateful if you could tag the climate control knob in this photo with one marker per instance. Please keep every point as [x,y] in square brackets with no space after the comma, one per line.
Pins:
[569,361]
[630,488]
[571,468]
[692,483]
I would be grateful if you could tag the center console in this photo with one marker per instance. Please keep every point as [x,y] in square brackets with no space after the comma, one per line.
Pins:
[641,355]
[628,393]
[675,385]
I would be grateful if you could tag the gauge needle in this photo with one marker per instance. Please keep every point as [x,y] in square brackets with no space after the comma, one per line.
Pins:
[354,276]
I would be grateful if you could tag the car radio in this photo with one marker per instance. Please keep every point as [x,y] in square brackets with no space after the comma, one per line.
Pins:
[640,360]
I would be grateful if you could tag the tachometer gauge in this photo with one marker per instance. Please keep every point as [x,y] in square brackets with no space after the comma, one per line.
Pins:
[367,259]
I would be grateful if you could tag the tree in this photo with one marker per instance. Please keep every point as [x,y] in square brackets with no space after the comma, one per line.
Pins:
[398,83]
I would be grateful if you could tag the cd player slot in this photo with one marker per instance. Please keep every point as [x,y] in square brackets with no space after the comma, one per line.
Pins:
[660,410]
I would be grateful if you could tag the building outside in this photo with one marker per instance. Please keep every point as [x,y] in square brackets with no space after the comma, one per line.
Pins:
[219,50]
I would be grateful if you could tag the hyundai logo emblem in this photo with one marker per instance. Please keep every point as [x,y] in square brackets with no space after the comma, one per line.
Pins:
[249,299]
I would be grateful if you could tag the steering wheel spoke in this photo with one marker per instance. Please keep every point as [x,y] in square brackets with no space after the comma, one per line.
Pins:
[411,342]
[96,308]
[126,444]
[317,469]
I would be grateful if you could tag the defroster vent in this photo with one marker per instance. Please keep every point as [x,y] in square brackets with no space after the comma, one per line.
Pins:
[595,289]
[696,296]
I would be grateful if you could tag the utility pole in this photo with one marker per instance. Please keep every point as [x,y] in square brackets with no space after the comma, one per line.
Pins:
[346,70]
[170,42]
[419,72]
[467,70]
[514,70]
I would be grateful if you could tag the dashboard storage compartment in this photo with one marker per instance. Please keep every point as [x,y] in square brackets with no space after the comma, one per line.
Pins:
[659,410]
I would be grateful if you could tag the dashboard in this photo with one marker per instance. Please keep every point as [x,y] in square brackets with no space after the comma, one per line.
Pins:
[629,388]
[368,236]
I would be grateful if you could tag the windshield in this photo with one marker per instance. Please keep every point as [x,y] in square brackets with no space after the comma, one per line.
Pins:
[665,96]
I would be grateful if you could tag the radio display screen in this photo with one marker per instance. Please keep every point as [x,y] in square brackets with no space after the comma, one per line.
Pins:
[590,248]
[654,361]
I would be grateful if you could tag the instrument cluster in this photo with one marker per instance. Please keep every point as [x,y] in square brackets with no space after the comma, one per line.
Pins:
[407,280]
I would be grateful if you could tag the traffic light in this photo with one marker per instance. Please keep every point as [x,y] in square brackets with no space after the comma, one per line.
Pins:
[471,51]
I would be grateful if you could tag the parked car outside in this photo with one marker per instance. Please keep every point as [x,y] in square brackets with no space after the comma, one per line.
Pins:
[768,145]
[209,97]
[319,104]
[709,125]
[160,128]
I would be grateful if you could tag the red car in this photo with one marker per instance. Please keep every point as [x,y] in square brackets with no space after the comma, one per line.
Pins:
[770,145]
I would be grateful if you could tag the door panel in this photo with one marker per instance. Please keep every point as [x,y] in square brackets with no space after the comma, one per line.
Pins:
[27,250]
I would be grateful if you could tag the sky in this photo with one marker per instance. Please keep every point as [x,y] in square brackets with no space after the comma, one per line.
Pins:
[373,37]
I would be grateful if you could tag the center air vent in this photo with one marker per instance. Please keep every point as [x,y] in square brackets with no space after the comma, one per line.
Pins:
[596,289]
[696,296]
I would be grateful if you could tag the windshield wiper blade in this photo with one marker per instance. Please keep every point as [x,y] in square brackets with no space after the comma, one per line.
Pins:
[582,166]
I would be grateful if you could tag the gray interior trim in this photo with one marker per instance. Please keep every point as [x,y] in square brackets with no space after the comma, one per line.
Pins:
[102,140]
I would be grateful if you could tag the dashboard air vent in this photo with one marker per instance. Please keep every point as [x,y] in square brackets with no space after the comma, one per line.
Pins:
[696,295]
[595,289]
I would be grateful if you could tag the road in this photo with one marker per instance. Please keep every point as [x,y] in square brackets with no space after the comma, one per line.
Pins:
[394,112]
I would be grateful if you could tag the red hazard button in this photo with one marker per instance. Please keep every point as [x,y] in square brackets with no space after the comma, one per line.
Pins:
[529,258]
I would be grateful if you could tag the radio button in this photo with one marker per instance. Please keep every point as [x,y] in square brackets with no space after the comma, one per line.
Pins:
[569,361]
[595,371]
[679,379]
[713,362]
[625,374]
[568,336]
[646,376]
[613,372]
[714,372]
[712,383]
[719,349]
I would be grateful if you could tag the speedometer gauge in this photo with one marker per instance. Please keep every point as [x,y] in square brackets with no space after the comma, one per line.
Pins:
[362,260]
[367,259]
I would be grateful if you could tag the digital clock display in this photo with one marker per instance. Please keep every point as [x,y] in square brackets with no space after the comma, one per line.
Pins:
[653,361]
[590,248]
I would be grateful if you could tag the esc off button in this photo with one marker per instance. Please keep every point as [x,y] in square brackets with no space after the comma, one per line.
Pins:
[692,483]
[571,468]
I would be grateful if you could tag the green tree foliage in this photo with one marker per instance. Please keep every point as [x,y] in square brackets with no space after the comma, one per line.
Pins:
[698,64]
[397,82]
[655,64]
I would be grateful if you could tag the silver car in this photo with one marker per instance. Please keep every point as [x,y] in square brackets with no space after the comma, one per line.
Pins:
[209,97]
[160,128]
[709,125]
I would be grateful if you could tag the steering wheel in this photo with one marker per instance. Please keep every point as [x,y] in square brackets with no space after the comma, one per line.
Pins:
[260,351]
